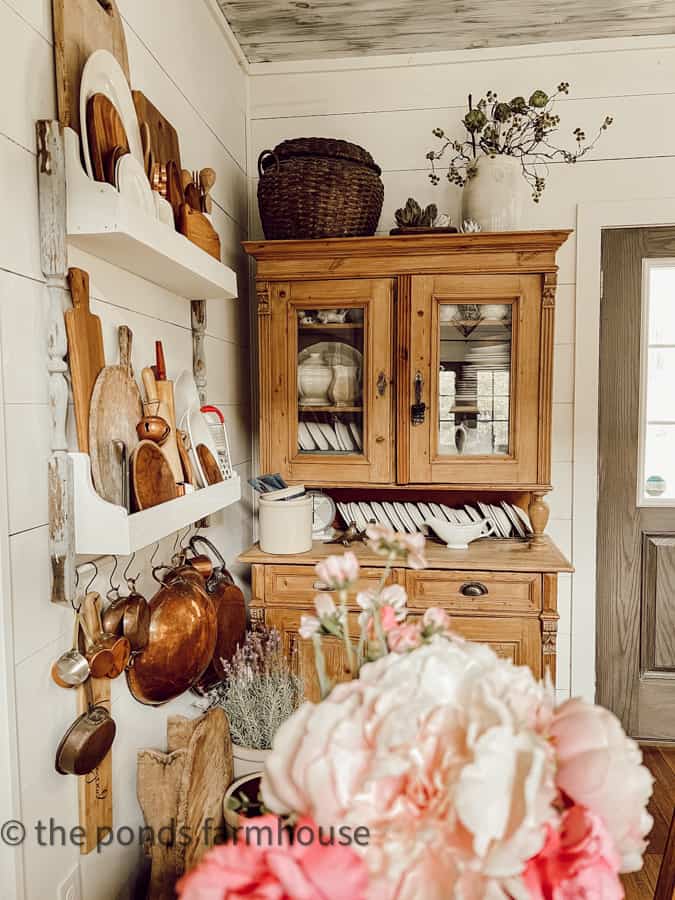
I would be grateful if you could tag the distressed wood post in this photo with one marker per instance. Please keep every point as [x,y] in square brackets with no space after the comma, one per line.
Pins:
[54,259]
[198,316]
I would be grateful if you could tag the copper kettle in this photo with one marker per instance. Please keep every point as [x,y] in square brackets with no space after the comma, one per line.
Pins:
[230,607]
[181,639]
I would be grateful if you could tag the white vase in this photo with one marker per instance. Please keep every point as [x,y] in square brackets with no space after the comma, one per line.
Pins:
[345,385]
[314,378]
[247,761]
[496,195]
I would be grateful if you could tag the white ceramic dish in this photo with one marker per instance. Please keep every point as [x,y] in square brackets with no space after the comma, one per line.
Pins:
[305,437]
[356,434]
[102,74]
[502,520]
[133,184]
[405,517]
[380,514]
[449,513]
[185,394]
[415,515]
[463,517]
[513,518]
[487,512]
[344,436]
[333,352]
[318,435]
[329,434]
[458,537]
[472,513]
[345,514]
[357,516]
[163,210]
[425,511]
[367,512]
[394,517]
[524,518]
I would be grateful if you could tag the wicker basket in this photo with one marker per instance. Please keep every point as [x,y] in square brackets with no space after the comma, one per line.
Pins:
[318,188]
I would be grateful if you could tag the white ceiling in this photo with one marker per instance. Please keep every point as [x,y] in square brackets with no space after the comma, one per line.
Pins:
[279,30]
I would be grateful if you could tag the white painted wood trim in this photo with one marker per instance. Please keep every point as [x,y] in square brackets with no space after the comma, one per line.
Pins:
[410,60]
[231,41]
[591,220]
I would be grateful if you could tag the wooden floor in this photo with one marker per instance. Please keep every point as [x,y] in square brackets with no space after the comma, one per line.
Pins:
[661,763]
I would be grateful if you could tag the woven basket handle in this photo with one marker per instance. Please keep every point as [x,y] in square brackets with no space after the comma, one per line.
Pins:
[264,156]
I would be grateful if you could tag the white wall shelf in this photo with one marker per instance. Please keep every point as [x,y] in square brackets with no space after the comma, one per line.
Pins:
[101,222]
[102,528]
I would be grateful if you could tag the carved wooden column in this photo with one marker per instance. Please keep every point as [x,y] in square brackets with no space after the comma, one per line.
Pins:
[198,315]
[54,257]
[549,627]
[264,311]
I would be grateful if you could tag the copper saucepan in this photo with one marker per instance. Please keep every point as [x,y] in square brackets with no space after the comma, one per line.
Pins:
[128,616]
[86,743]
[181,640]
[230,606]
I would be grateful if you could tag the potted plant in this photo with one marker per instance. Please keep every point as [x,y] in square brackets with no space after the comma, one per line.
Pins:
[258,693]
[507,146]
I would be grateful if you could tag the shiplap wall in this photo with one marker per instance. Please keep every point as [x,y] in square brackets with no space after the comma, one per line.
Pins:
[179,57]
[390,106]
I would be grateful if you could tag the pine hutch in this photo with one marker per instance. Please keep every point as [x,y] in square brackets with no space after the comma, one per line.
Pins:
[451,340]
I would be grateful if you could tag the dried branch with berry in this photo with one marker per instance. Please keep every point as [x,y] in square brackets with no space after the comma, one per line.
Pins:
[519,128]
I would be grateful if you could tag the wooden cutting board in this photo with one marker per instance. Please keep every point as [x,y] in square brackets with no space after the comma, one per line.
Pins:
[161,393]
[153,479]
[106,134]
[85,352]
[80,27]
[115,411]
[197,228]
[162,135]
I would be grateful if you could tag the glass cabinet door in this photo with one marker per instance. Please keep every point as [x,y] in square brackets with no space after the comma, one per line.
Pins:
[474,368]
[338,344]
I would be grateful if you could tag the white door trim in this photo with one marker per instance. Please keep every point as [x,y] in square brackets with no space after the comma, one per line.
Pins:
[592,218]
[11,858]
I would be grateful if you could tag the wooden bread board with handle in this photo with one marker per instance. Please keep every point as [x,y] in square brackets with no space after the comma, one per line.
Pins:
[115,411]
[163,137]
[95,793]
[197,228]
[80,28]
[161,393]
[106,134]
[85,352]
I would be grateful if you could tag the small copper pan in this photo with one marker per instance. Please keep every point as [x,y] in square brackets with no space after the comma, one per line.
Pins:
[86,743]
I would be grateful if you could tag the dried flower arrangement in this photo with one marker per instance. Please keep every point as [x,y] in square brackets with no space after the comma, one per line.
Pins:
[519,128]
[259,691]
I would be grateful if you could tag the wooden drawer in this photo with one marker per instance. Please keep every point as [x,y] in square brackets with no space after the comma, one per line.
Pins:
[476,593]
[297,586]
[516,639]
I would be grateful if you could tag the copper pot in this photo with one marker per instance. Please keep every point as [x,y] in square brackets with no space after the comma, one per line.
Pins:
[128,616]
[86,743]
[230,606]
[181,639]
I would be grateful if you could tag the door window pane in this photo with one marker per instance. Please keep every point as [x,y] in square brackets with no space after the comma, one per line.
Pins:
[657,433]
[474,380]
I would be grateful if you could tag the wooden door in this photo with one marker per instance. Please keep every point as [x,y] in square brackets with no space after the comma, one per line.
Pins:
[330,417]
[635,646]
[474,361]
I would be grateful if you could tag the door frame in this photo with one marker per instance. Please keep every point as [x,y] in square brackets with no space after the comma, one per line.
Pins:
[592,219]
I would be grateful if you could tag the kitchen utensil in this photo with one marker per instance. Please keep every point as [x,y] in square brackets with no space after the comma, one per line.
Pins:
[161,392]
[148,161]
[203,564]
[152,478]
[183,442]
[106,136]
[160,362]
[197,228]
[132,183]
[113,616]
[118,646]
[458,537]
[87,742]
[174,192]
[71,668]
[216,422]
[85,352]
[122,459]
[158,181]
[114,413]
[102,75]
[198,432]
[136,621]
[186,395]
[162,136]
[153,428]
[207,180]
[230,608]
[80,28]
[99,655]
[181,641]
[191,190]
[210,467]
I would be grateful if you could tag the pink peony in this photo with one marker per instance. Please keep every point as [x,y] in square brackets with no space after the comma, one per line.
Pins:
[577,861]
[387,542]
[437,618]
[404,637]
[433,752]
[601,768]
[338,572]
[268,867]
[324,605]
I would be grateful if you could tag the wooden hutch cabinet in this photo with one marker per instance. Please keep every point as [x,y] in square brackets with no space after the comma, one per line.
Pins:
[415,368]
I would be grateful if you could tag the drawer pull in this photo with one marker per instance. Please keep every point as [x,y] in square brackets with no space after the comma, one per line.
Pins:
[320,586]
[473,589]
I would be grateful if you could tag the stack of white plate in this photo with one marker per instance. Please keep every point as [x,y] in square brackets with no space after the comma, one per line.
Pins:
[330,437]
[507,520]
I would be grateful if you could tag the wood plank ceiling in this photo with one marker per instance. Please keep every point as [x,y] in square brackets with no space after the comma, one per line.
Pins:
[277,30]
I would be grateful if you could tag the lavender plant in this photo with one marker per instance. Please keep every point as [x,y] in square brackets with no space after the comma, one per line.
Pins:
[259,691]
[519,128]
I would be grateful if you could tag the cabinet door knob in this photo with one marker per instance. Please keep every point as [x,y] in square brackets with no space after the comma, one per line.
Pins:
[473,589]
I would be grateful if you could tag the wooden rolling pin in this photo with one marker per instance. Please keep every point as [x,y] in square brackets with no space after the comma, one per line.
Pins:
[161,392]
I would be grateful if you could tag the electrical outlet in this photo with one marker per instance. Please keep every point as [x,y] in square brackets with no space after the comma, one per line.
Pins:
[69,889]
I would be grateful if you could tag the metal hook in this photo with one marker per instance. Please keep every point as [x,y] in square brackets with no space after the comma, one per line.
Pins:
[130,580]
[93,577]
[114,592]
[154,553]
[178,549]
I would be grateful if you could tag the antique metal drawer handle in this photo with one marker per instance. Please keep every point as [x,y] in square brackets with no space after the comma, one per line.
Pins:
[320,586]
[381,384]
[473,589]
